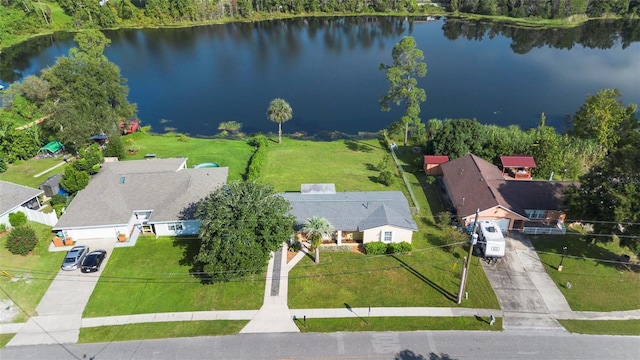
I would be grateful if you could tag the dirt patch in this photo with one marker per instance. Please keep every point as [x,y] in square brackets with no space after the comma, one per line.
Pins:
[291,255]
[8,310]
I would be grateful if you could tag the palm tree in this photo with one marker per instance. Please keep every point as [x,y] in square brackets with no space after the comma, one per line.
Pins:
[316,228]
[279,111]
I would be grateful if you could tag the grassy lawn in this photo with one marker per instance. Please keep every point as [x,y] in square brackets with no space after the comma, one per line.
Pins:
[364,323]
[349,164]
[600,327]
[595,285]
[23,172]
[160,330]
[154,276]
[232,153]
[32,274]
[5,338]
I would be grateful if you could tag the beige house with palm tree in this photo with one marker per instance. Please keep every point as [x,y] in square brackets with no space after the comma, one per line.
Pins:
[358,217]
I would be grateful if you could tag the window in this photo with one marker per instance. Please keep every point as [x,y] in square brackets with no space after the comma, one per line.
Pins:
[536,214]
[387,237]
[176,227]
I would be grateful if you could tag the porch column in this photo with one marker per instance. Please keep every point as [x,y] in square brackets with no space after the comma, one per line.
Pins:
[339,241]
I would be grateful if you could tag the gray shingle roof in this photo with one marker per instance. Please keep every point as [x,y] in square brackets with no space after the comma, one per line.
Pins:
[354,211]
[12,195]
[161,185]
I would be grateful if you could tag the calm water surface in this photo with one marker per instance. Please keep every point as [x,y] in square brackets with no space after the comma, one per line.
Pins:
[327,69]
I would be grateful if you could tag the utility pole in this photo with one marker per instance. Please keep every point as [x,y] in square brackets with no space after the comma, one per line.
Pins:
[467,260]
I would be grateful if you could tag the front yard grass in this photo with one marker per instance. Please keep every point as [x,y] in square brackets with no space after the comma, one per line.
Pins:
[154,277]
[365,323]
[162,330]
[594,285]
[5,338]
[602,327]
[29,276]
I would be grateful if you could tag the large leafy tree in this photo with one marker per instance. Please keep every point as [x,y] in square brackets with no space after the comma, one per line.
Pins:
[600,118]
[316,228]
[457,138]
[402,74]
[279,111]
[240,223]
[90,95]
[610,191]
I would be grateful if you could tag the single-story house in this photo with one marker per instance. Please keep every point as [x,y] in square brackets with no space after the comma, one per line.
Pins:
[14,198]
[357,216]
[530,206]
[431,164]
[140,196]
[517,167]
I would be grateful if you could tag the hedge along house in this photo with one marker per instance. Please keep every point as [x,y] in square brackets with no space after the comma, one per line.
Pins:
[151,196]
[529,206]
[357,217]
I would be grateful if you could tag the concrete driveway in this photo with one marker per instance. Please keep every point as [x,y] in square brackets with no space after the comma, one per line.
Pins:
[527,295]
[60,310]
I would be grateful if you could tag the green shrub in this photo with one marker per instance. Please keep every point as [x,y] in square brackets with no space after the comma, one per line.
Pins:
[3,228]
[3,165]
[73,180]
[376,248]
[386,177]
[58,209]
[58,199]
[259,157]
[17,219]
[398,248]
[21,240]
[115,147]
[295,246]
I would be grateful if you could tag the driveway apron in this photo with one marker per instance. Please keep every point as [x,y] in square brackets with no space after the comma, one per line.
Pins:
[59,313]
[527,295]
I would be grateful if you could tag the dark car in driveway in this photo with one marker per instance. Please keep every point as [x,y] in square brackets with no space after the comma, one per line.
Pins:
[74,257]
[93,261]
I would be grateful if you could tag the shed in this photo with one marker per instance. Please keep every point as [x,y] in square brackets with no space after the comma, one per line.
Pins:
[431,165]
[517,166]
[52,185]
[51,149]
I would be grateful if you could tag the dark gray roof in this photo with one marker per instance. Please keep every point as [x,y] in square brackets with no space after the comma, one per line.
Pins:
[122,187]
[53,181]
[12,195]
[354,211]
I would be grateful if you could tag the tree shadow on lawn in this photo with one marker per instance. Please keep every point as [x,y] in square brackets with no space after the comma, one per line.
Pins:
[425,279]
[359,146]
[190,249]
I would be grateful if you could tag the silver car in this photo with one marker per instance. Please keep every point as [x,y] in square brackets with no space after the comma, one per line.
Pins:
[74,257]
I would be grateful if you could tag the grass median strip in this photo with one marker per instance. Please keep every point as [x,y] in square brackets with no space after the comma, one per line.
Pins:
[160,330]
[5,338]
[603,327]
[364,323]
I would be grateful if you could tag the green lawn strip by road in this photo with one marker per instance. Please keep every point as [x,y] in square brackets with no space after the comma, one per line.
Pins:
[603,327]
[22,173]
[422,279]
[31,274]
[361,322]
[160,330]
[5,338]
[234,154]
[154,277]
[595,285]
[346,163]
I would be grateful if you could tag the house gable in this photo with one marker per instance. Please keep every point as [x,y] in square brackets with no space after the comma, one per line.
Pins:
[13,196]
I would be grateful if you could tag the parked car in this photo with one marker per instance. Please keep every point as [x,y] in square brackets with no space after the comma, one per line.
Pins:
[74,257]
[92,262]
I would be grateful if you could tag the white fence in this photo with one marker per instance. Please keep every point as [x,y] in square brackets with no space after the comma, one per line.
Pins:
[49,219]
[559,230]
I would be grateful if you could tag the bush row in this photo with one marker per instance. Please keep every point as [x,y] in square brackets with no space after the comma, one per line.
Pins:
[380,248]
[259,157]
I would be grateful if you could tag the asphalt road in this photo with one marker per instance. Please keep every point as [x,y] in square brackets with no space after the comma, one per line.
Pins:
[419,345]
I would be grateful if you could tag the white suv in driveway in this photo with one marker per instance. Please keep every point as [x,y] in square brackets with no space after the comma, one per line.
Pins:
[74,257]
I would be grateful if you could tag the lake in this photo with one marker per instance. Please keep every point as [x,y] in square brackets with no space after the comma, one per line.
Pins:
[190,80]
